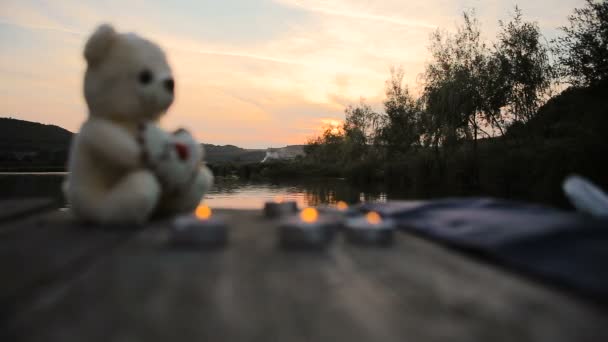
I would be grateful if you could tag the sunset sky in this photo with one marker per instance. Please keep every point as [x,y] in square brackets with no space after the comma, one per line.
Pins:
[249,73]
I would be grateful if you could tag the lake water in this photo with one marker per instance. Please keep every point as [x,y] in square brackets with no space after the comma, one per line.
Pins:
[226,193]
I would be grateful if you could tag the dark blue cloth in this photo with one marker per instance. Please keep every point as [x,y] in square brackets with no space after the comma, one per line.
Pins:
[565,248]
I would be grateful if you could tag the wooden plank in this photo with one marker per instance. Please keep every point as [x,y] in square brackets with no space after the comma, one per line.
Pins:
[256,292]
[45,249]
[12,209]
[476,299]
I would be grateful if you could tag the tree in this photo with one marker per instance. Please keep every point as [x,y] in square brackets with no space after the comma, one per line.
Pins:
[401,129]
[582,51]
[349,143]
[326,148]
[360,129]
[524,73]
[456,80]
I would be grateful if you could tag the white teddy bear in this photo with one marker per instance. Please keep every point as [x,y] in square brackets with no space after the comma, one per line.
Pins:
[116,175]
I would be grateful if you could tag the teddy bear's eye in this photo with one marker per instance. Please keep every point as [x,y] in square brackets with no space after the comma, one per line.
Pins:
[145,76]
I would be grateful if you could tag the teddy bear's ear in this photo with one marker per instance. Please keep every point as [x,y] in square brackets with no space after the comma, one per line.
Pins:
[99,44]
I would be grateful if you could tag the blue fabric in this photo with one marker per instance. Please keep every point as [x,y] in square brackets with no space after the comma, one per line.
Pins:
[566,248]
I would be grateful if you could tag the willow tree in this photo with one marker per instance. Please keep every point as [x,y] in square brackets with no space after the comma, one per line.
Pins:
[456,79]
[525,73]
[582,51]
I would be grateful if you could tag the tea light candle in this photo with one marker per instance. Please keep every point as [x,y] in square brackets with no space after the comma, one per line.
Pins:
[339,212]
[199,229]
[308,229]
[340,208]
[370,229]
[279,208]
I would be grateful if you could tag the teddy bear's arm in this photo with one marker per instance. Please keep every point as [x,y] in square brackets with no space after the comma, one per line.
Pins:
[112,142]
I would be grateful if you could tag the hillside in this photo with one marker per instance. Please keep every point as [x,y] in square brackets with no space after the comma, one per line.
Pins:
[21,133]
[29,146]
[217,154]
[221,154]
[568,135]
[575,113]
[26,145]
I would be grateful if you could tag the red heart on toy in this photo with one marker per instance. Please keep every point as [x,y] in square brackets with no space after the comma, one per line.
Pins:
[182,151]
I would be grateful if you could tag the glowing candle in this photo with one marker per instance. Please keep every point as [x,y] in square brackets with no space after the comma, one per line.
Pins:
[373,218]
[339,208]
[309,229]
[337,212]
[200,229]
[202,212]
[370,229]
[309,215]
[342,206]
[279,207]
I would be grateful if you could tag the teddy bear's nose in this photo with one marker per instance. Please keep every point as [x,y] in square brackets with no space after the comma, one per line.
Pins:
[169,84]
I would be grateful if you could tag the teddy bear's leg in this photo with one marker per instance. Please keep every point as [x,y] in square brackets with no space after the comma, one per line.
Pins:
[132,200]
[188,200]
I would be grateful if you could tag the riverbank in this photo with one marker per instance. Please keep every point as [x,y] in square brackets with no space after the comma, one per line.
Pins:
[528,170]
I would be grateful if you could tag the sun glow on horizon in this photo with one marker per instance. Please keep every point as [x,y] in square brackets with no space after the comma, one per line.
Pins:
[335,126]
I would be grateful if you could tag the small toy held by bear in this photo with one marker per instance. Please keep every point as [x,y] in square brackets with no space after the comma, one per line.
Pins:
[123,168]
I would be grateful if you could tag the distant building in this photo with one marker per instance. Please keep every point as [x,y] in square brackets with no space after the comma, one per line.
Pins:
[283,153]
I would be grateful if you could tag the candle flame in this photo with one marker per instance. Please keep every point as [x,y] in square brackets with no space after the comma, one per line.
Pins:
[373,218]
[309,215]
[203,212]
[341,205]
[278,199]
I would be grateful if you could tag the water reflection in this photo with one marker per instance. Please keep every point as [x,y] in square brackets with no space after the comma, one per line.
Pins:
[226,193]
[234,193]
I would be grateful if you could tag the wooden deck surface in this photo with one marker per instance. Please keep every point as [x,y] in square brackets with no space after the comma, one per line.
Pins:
[62,281]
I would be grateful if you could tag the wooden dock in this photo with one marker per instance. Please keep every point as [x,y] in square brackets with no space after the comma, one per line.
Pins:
[63,281]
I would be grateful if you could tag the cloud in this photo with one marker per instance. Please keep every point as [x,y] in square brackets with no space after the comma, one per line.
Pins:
[201,49]
[255,74]
[345,9]
[42,27]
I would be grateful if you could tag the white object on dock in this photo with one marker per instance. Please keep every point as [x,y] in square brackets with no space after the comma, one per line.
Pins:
[585,196]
